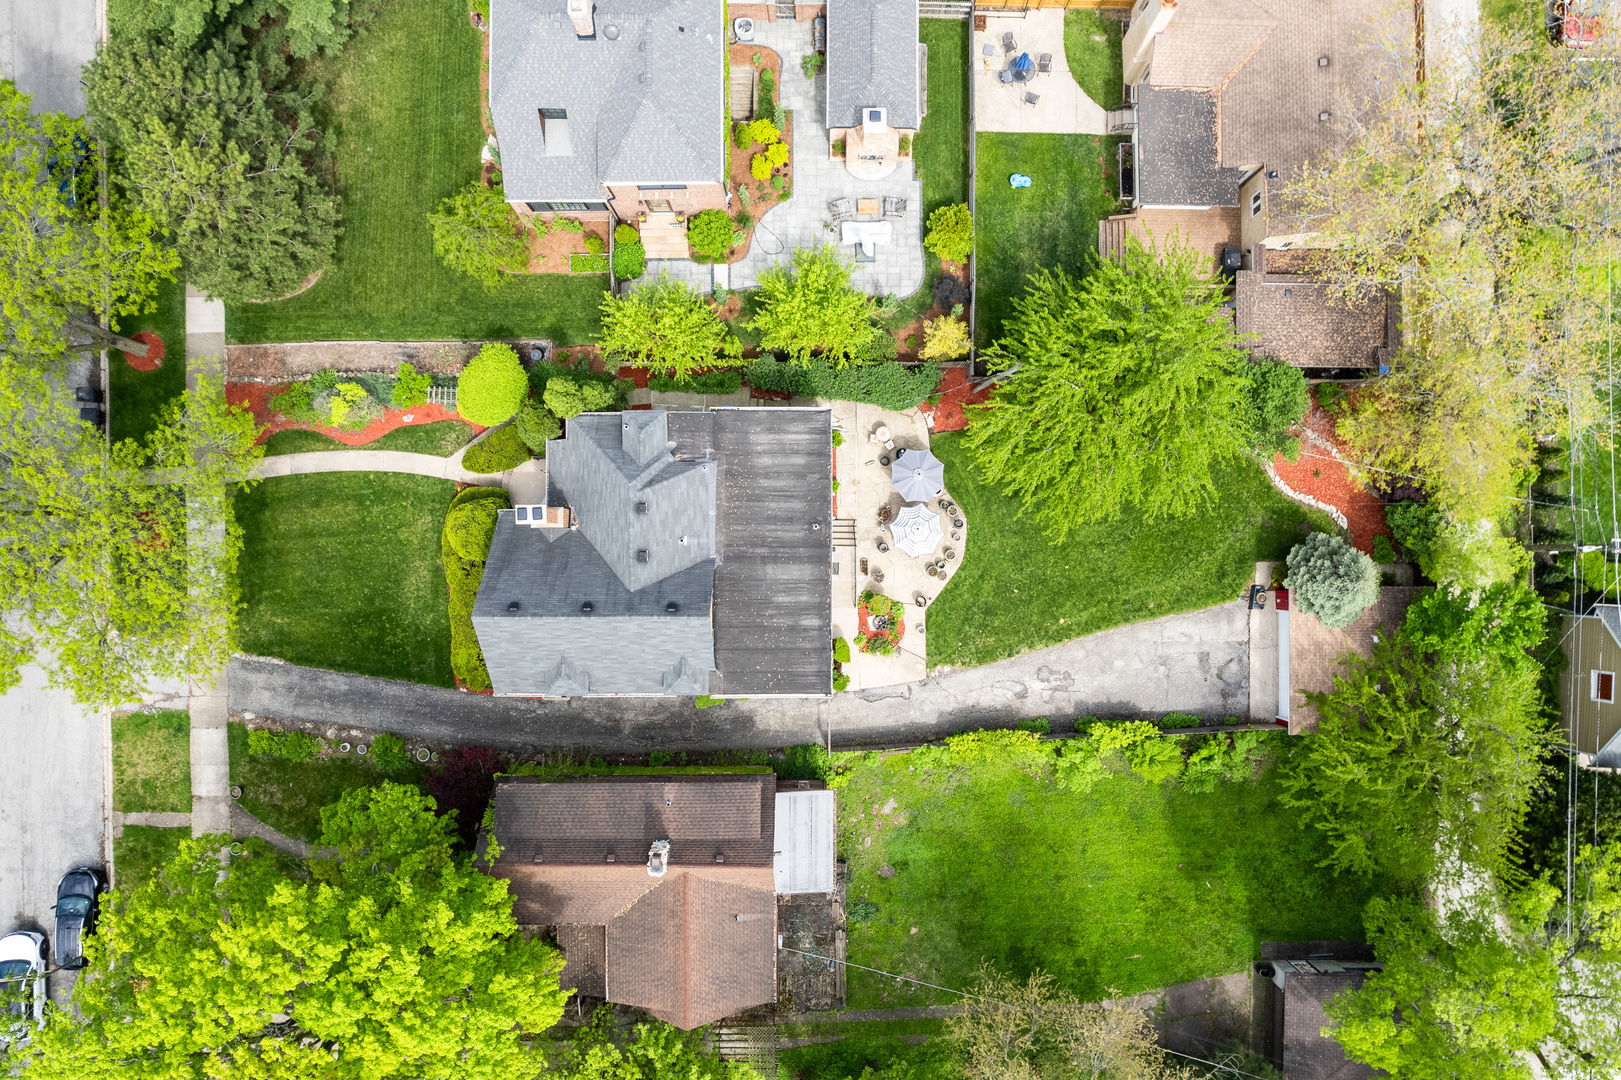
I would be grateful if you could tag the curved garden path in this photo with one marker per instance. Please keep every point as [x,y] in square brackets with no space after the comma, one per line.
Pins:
[399,461]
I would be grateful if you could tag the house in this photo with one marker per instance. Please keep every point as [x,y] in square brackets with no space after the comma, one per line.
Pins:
[1587,687]
[875,87]
[661,890]
[1310,654]
[1229,100]
[676,553]
[1294,981]
[1289,316]
[613,108]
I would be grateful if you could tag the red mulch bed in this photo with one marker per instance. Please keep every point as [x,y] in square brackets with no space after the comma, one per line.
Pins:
[1325,478]
[953,394]
[154,352]
[255,397]
[896,631]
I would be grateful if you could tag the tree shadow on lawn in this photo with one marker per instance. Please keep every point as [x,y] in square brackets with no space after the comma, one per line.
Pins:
[1126,888]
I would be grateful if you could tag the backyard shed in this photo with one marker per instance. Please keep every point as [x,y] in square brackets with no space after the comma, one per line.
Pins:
[803,856]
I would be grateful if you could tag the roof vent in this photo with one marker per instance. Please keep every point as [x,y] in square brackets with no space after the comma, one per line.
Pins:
[514,606]
[682,539]
[1324,117]
[611,32]
[1322,61]
[1288,292]
[671,606]
[641,508]
[610,857]
[1272,175]
[641,554]
[586,607]
[719,857]
[658,858]
[579,13]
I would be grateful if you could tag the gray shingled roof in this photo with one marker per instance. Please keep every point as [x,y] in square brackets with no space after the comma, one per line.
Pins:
[872,61]
[1177,150]
[648,108]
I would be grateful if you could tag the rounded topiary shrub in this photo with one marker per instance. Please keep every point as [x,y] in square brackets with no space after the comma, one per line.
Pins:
[1331,580]
[710,233]
[469,528]
[535,425]
[491,386]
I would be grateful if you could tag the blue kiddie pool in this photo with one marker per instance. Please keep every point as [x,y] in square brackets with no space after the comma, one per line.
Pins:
[1019,180]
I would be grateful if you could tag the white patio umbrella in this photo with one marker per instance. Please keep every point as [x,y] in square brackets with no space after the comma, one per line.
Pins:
[918,475]
[917,529]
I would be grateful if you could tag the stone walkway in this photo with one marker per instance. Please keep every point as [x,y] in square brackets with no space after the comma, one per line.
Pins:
[528,479]
[802,221]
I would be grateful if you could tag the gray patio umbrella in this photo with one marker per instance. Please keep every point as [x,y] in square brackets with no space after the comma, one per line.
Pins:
[918,475]
[917,529]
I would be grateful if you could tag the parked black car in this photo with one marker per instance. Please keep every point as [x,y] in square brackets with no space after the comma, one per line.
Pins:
[77,905]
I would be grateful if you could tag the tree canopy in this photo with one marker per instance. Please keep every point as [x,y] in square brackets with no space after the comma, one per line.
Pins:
[1426,753]
[1124,387]
[64,253]
[1331,580]
[221,148]
[476,233]
[106,563]
[665,326]
[812,310]
[383,955]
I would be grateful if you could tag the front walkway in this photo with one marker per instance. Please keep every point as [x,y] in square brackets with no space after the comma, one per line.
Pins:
[802,221]
[524,480]
[1062,107]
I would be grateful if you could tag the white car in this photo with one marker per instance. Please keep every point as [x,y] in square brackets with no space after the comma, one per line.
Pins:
[22,986]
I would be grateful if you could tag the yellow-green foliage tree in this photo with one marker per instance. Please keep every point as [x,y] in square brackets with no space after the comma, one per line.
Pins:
[382,956]
[945,338]
[812,309]
[665,326]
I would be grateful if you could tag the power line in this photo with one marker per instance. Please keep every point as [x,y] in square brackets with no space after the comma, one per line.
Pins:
[993,1001]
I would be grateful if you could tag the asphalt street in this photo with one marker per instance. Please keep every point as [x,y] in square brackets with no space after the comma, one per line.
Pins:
[51,802]
[1195,663]
[43,44]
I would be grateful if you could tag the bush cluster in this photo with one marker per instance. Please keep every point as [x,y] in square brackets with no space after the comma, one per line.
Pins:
[951,233]
[570,396]
[497,452]
[708,382]
[710,233]
[491,386]
[388,753]
[1277,400]
[323,400]
[881,642]
[292,745]
[463,577]
[541,375]
[535,424]
[887,385]
[410,387]
[1416,526]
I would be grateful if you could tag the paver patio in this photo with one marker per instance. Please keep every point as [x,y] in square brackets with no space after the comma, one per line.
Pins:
[1063,107]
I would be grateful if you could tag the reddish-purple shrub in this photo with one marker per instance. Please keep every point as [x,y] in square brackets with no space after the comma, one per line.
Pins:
[463,783]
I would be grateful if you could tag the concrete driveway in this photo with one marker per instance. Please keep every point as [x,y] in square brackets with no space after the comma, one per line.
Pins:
[52,802]
[1195,663]
[44,43]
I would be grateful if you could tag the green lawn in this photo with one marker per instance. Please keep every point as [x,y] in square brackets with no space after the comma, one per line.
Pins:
[403,112]
[1130,885]
[441,438]
[152,762]
[1092,50]
[1051,225]
[141,851]
[137,398]
[1017,591]
[288,795]
[940,148]
[342,571]
[877,1045]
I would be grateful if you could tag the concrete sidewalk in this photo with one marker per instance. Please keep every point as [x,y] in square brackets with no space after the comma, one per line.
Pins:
[394,461]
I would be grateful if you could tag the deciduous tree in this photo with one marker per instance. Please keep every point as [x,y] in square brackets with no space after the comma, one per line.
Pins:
[665,326]
[118,565]
[476,233]
[1124,387]
[384,955]
[811,310]
[65,254]
[1426,753]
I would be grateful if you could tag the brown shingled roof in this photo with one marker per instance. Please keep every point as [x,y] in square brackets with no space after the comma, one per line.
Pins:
[1315,650]
[1307,1054]
[691,947]
[1307,324]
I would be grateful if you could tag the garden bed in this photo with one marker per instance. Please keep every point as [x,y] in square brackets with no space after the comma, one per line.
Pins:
[552,249]
[762,197]
[257,399]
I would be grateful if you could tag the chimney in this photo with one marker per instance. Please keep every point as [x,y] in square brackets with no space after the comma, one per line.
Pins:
[554,133]
[579,13]
[658,858]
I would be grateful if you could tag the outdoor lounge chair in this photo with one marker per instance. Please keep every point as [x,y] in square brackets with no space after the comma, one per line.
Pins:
[894,206]
[1005,76]
[1031,99]
[1044,63]
[841,209]
[1007,43]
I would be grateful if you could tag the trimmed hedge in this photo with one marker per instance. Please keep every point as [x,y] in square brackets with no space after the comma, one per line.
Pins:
[499,451]
[470,528]
[709,382]
[888,385]
[463,577]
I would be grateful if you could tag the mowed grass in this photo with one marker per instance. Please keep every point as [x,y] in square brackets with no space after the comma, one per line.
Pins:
[1129,886]
[136,399]
[404,111]
[1051,225]
[1017,591]
[288,795]
[1092,50]
[152,762]
[141,851]
[342,571]
[441,439]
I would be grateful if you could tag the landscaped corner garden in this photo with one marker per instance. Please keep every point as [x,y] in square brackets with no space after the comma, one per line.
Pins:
[1018,591]
[996,848]
[342,571]
[404,114]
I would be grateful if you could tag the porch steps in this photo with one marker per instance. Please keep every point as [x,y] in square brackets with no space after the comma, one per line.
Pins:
[844,532]
[785,11]
[945,9]
[665,237]
[755,1045]
[741,91]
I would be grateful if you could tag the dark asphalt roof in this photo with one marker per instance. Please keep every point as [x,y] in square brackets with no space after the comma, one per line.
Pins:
[774,581]
[1177,156]
[872,61]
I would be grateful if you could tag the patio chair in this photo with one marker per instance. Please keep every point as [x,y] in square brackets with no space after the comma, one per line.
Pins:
[841,209]
[1045,63]
[1031,99]
[1007,43]
[1005,76]
[894,206]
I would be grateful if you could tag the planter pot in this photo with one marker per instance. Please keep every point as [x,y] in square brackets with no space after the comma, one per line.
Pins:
[237,849]
[360,748]
[422,754]
[236,791]
[343,748]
